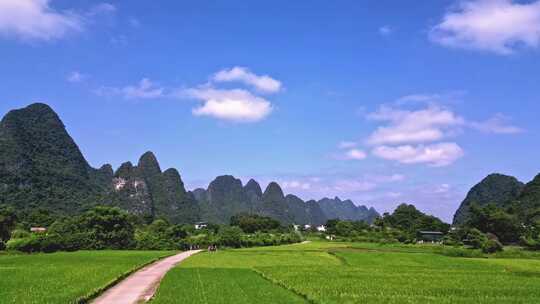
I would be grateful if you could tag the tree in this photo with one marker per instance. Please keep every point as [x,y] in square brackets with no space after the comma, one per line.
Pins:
[493,219]
[7,222]
[410,220]
[230,236]
[251,223]
[108,228]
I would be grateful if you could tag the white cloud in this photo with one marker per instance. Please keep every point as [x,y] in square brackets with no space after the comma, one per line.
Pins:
[233,105]
[498,124]
[347,144]
[36,20]
[101,8]
[437,155]
[145,89]
[76,76]
[355,154]
[354,186]
[31,20]
[386,30]
[295,185]
[499,26]
[408,126]
[263,83]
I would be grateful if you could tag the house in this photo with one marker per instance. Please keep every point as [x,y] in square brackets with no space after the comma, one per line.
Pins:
[321,228]
[201,225]
[306,227]
[38,229]
[429,236]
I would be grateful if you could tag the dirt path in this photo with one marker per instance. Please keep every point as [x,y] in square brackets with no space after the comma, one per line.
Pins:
[141,285]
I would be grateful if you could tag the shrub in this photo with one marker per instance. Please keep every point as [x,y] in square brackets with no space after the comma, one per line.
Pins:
[28,245]
[475,238]
[531,243]
[2,246]
[20,234]
[492,246]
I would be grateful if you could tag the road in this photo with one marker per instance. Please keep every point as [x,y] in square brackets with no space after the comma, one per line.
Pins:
[140,286]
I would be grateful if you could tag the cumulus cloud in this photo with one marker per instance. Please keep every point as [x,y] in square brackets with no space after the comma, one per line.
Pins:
[499,26]
[498,124]
[355,154]
[37,20]
[412,126]
[437,155]
[234,105]
[145,89]
[263,83]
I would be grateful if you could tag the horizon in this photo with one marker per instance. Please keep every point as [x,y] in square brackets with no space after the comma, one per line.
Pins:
[356,101]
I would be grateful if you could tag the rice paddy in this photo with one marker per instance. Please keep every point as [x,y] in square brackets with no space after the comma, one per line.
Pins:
[65,277]
[322,272]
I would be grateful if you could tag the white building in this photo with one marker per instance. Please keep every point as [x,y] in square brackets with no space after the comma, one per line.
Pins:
[321,228]
[201,225]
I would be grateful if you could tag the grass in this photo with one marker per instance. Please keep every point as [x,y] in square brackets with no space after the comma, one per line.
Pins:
[65,277]
[325,272]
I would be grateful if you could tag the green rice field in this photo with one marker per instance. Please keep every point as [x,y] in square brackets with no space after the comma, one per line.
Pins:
[323,272]
[65,277]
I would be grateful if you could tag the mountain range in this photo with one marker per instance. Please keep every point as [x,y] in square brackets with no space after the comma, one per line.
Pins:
[41,167]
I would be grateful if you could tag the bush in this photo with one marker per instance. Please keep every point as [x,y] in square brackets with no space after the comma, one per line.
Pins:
[2,246]
[492,246]
[27,245]
[531,243]
[475,239]
[20,234]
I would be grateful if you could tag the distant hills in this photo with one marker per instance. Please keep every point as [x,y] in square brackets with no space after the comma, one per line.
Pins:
[41,167]
[503,191]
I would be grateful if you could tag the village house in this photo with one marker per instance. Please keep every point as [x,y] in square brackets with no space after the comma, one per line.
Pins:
[201,225]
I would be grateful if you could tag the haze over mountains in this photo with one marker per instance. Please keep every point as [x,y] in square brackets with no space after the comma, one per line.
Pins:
[41,167]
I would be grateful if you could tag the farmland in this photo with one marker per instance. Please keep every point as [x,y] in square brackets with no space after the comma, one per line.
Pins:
[322,272]
[65,277]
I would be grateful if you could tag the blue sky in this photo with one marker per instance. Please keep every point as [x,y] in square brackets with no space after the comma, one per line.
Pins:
[382,102]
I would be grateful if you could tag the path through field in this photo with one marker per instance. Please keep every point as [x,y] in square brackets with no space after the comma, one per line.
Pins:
[141,286]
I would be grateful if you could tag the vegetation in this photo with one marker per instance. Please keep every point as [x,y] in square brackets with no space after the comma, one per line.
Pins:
[66,277]
[251,223]
[112,228]
[334,272]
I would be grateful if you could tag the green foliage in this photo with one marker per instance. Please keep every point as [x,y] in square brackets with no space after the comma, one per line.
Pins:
[230,236]
[409,220]
[492,246]
[108,227]
[161,235]
[475,238]
[7,222]
[495,189]
[492,219]
[251,223]
[98,228]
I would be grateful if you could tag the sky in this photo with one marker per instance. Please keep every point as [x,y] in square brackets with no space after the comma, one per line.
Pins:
[382,102]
